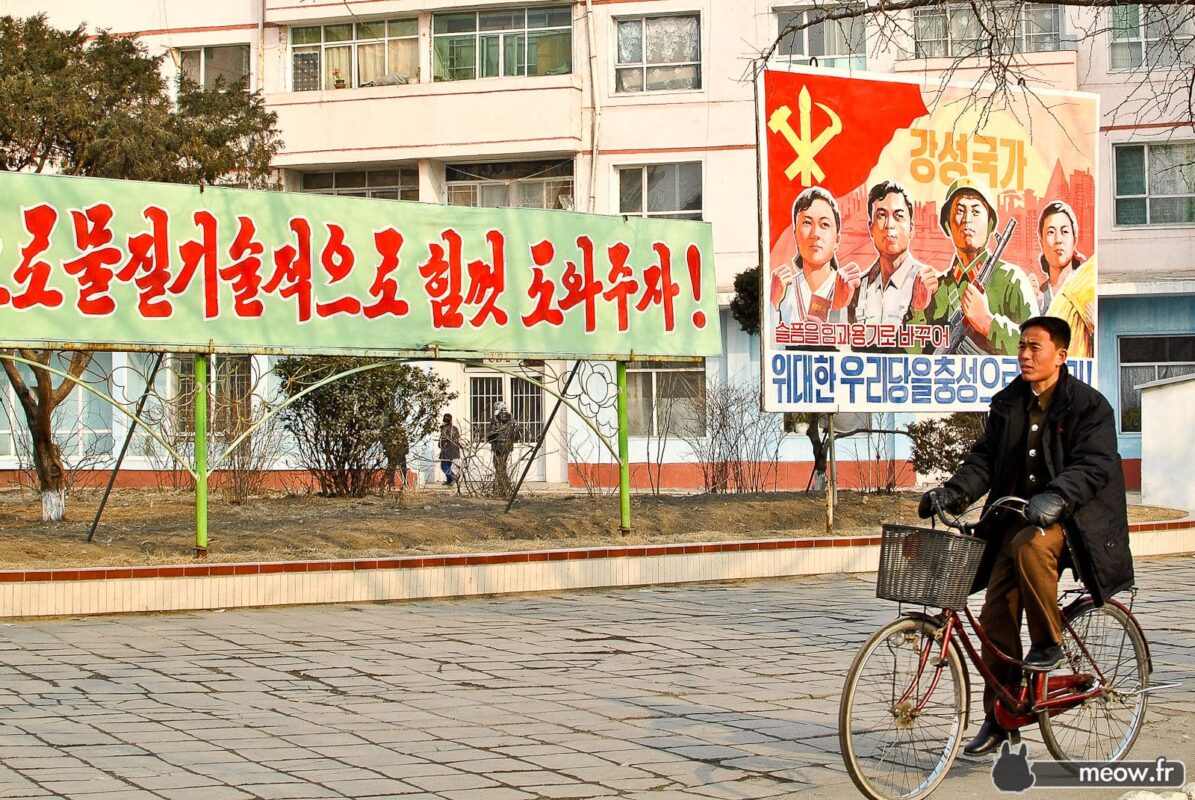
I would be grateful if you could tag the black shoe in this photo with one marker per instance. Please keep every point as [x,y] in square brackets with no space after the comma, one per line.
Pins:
[1044,657]
[989,738]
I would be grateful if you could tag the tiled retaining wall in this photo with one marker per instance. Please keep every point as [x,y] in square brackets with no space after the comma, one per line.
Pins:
[27,593]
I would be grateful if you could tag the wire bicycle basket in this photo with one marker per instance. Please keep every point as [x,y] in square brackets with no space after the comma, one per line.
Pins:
[927,567]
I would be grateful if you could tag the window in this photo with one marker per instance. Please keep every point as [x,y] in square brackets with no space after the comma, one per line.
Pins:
[503,42]
[526,405]
[379,53]
[838,43]
[512,184]
[666,398]
[397,183]
[1155,36]
[231,404]
[1155,184]
[209,67]
[1144,359]
[672,191]
[81,424]
[658,54]
[950,31]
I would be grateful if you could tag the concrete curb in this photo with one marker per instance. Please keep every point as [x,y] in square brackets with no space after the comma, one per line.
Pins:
[114,590]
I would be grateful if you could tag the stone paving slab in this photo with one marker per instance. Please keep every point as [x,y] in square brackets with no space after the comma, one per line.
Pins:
[693,691]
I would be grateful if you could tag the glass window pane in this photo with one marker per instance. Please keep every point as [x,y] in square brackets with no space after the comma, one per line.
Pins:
[409,193]
[382,177]
[793,44]
[639,403]
[371,63]
[189,65]
[403,59]
[673,78]
[689,187]
[681,410]
[383,194]
[502,20]
[1130,170]
[454,23]
[338,33]
[1130,396]
[350,180]
[628,80]
[462,196]
[550,53]
[1126,55]
[1143,349]
[305,66]
[630,190]
[493,195]
[662,188]
[337,65]
[529,194]
[672,39]
[309,35]
[455,58]
[1131,212]
[315,181]
[1126,22]
[816,37]
[229,63]
[1171,210]
[1180,348]
[514,54]
[490,59]
[555,17]
[371,30]
[1172,168]
[630,41]
[404,27]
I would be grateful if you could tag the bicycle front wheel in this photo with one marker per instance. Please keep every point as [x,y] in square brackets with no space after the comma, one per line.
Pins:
[1104,727]
[901,719]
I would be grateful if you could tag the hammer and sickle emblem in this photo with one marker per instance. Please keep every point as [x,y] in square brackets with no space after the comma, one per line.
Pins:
[805,146]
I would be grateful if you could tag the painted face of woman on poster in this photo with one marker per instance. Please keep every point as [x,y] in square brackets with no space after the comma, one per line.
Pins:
[817,234]
[1058,241]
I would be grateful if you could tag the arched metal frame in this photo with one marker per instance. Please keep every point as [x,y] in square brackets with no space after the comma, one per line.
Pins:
[202,470]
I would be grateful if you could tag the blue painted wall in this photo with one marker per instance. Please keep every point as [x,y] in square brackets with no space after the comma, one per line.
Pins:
[1134,316]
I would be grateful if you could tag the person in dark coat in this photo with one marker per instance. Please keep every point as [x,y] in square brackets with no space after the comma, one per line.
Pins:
[502,437]
[450,448]
[1049,438]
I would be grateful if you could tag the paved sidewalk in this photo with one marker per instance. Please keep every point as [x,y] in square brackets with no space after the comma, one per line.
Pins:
[698,691]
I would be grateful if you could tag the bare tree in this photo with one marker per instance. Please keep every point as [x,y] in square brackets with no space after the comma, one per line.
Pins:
[1158,75]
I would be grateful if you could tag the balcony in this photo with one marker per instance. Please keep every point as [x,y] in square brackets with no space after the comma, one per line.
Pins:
[454,119]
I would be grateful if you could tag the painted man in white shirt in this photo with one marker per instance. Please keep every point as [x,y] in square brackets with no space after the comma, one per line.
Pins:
[886,289]
[812,288]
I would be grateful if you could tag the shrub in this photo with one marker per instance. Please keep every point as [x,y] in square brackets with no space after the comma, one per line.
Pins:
[940,444]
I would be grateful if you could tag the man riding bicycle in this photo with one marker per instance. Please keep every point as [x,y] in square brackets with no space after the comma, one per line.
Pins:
[1050,438]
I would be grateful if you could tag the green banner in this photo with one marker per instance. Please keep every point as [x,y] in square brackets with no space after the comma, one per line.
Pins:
[101,264]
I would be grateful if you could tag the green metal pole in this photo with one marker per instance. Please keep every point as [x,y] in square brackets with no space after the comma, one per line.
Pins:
[624,450]
[201,397]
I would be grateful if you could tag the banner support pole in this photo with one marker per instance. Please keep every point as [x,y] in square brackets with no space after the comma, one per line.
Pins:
[201,399]
[624,451]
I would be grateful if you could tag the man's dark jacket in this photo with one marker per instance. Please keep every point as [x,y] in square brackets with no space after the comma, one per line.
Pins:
[1079,446]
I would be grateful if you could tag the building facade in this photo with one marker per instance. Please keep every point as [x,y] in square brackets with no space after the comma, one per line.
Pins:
[646,107]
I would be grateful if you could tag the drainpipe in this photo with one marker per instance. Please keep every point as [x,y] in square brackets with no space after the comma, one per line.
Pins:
[261,47]
[595,95]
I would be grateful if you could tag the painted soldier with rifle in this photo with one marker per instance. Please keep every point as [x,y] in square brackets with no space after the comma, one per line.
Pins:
[981,299]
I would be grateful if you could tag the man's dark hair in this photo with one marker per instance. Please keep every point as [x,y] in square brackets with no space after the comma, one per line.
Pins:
[805,200]
[1059,330]
[882,190]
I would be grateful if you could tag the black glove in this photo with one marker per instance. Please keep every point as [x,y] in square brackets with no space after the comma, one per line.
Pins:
[1045,509]
[950,500]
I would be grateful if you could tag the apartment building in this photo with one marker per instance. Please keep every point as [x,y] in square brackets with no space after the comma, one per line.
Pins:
[646,107]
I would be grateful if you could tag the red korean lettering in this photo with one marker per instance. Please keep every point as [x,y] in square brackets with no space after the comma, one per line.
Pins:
[337,259]
[194,253]
[93,269]
[622,282]
[292,269]
[35,274]
[542,290]
[149,265]
[487,281]
[442,279]
[385,282]
[244,272]
[660,289]
[580,286]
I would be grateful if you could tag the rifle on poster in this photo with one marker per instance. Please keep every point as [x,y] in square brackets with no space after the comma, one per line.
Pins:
[959,342]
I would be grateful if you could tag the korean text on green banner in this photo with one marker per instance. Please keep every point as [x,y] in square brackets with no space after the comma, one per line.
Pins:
[908,232]
[102,264]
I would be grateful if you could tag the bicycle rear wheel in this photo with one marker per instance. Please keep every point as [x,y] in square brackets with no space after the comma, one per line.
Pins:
[1104,727]
[892,750]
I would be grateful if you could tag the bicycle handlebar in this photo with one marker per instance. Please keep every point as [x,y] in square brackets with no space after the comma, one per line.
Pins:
[1010,502]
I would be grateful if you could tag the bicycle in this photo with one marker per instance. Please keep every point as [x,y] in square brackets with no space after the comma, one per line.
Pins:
[905,703]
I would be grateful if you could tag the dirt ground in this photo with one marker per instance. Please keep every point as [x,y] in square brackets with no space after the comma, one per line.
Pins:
[144,526]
